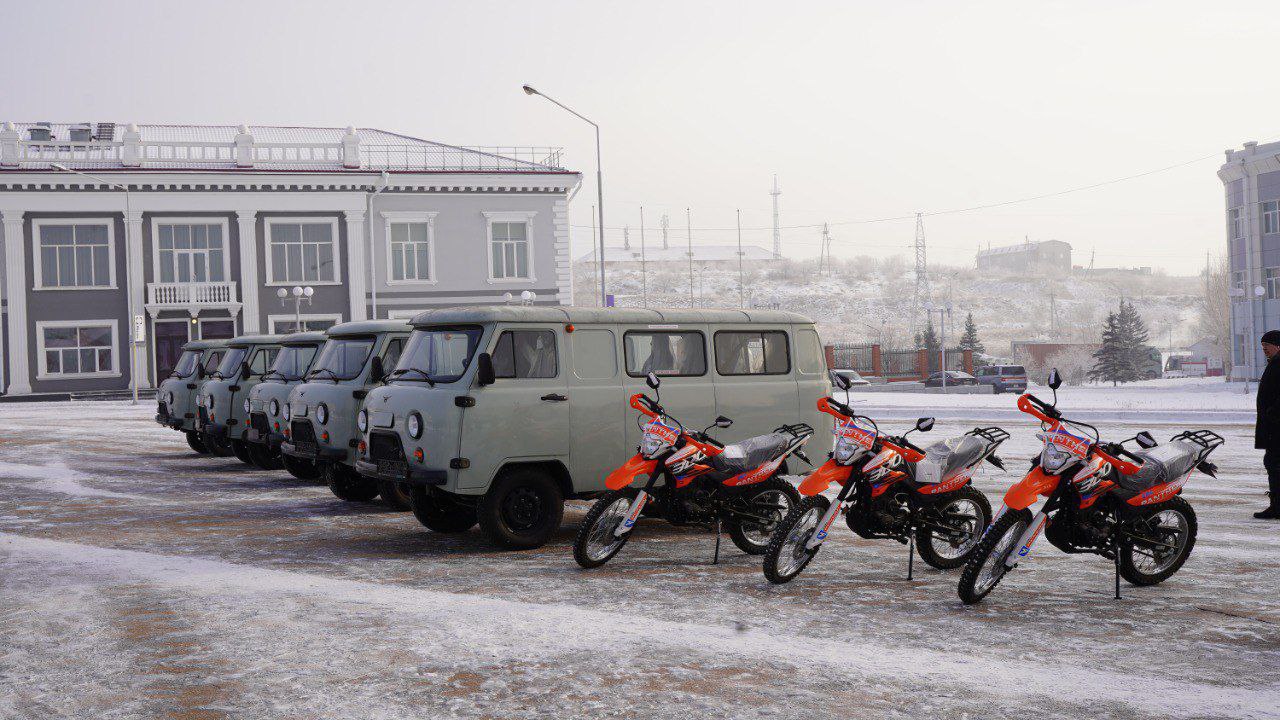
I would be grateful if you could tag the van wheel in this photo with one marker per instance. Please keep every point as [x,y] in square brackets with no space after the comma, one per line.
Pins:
[394,494]
[299,468]
[193,439]
[522,509]
[440,513]
[263,458]
[347,484]
[240,449]
[217,447]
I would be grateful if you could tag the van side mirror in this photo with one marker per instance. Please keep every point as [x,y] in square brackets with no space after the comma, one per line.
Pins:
[245,372]
[652,381]
[484,370]
[723,422]
[376,371]
[924,424]
[1145,440]
[841,381]
[1055,380]
[199,371]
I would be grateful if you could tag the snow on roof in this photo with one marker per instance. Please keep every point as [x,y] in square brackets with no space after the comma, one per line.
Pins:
[1020,247]
[701,253]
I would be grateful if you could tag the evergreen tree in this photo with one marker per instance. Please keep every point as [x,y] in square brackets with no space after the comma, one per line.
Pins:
[970,341]
[931,344]
[1108,361]
[1134,335]
[1123,354]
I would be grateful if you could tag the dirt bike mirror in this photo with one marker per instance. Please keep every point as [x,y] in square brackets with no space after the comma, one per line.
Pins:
[1145,440]
[841,381]
[924,424]
[652,381]
[484,369]
[1055,380]
[723,422]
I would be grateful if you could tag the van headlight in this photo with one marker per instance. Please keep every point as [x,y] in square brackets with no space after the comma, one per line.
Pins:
[246,405]
[288,411]
[322,413]
[362,421]
[275,407]
[414,425]
[170,401]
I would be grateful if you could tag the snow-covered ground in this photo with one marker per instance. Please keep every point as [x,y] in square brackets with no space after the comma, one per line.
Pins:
[138,579]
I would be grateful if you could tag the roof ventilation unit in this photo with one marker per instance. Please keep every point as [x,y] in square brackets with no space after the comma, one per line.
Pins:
[82,132]
[41,132]
[106,131]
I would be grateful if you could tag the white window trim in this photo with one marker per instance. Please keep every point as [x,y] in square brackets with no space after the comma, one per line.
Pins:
[271,319]
[266,253]
[390,217]
[38,279]
[404,314]
[156,222]
[42,369]
[1275,214]
[527,219]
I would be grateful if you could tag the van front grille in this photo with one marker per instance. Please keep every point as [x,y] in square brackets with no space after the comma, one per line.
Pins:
[303,432]
[204,414]
[385,446]
[258,421]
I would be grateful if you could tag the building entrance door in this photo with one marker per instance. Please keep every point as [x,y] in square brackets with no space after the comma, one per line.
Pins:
[169,339]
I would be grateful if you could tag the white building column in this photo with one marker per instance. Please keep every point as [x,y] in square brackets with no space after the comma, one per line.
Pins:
[137,290]
[356,268]
[18,373]
[249,317]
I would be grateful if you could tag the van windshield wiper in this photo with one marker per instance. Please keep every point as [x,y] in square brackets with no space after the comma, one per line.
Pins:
[423,373]
[332,374]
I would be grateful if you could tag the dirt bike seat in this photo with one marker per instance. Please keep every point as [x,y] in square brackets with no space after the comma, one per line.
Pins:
[751,453]
[1161,464]
[946,458]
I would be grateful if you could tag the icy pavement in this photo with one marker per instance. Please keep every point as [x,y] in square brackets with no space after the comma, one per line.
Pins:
[138,579]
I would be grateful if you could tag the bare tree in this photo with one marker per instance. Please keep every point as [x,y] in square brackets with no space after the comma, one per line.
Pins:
[1214,321]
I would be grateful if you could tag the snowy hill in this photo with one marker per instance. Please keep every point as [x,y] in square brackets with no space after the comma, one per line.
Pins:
[866,299]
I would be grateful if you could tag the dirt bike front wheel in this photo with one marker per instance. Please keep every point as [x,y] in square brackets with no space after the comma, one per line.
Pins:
[986,568]
[596,542]
[788,553]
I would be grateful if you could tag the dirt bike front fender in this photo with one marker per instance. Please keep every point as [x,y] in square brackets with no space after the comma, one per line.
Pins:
[821,479]
[1026,491]
[630,470]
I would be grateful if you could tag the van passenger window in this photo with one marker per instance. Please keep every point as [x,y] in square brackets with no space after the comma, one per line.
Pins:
[525,354]
[752,353]
[665,353]
[391,354]
[595,354]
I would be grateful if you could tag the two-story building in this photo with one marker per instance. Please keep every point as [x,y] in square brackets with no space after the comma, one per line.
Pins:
[141,237]
[1251,181]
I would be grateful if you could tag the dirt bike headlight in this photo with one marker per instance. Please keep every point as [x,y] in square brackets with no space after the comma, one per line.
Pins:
[362,421]
[275,407]
[846,451]
[414,425]
[1053,458]
[322,413]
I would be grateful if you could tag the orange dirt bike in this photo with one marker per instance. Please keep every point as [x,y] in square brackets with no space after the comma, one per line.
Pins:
[702,482]
[1128,511]
[889,488]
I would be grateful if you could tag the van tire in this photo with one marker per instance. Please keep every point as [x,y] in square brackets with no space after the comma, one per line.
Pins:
[263,458]
[395,494]
[217,448]
[441,514]
[300,468]
[347,484]
[240,449]
[522,509]
[194,441]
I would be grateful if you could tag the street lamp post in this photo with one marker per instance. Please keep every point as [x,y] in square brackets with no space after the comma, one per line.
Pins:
[299,294]
[128,263]
[529,90]
[944,312]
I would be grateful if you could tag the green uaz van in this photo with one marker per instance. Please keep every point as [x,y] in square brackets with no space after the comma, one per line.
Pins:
[176,396]
[264,432]
[220,404]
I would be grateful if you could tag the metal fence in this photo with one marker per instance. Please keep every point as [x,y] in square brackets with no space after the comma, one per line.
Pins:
[852,356]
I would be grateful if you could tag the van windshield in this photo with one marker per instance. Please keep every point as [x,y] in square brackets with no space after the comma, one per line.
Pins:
[186,364]
[211,362]
[437,355]
[341,358]
[231,362]
[292,362]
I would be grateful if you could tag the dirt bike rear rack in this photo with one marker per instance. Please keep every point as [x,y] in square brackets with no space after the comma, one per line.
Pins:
[992,434]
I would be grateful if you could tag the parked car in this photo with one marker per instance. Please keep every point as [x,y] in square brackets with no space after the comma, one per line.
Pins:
[320,416]
[262,434]
[176,396]
[497,414]
[854,377]
[220,402]
[1003,378]
[954,378]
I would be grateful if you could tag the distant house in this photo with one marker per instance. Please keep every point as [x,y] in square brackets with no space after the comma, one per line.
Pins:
[703,255]
[1043,256]
[1031,352]
[1204,358]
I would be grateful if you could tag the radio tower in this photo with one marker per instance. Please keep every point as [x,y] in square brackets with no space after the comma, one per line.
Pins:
[922,270]
[777,232]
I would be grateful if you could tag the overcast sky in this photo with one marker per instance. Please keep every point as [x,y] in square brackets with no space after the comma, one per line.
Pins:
[864,110]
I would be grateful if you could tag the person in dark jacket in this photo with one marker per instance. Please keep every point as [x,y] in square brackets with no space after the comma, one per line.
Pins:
[1267,433]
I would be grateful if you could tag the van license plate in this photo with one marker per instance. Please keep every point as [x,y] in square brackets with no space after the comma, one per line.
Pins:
[305,448]
[395,468]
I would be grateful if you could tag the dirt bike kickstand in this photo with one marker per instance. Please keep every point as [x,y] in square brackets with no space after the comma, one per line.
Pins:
[911,554]
[1116,552]
[716,560]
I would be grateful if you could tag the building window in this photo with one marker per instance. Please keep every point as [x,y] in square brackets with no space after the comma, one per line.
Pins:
[1271,280]
[282,324]
[525,354]
[302,251]
[75,255]
[77,348]
[189,252]
[752,353]
[1237,280]
[1271,217]
[410,254]
[1237,223]
[664,353]
[510,246]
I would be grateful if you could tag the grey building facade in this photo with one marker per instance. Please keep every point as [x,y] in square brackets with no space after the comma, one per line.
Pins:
[1251,179]
[1040,257]
[120,243]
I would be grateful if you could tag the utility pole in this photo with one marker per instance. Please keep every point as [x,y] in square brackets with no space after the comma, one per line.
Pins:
[824,254]
[626,237]
[777,231]
[595,256]
[688,225]
[666,225]
[644,271]
[740,295]
[922,270]
[1053,314]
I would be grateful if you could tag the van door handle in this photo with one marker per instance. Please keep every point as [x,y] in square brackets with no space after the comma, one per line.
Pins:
[554,397]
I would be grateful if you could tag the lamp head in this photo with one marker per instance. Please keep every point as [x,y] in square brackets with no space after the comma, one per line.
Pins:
[308,291]
[282,293]
[297,291]
[528,90]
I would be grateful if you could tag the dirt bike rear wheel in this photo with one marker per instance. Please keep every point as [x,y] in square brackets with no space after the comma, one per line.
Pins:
[596,543]
[986,567]
[786,557]
[1174,521]
[772,498]
[969,512]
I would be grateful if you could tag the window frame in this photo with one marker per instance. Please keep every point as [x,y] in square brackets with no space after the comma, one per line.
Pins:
[270,222]
[390,218]
[787,344]
[699,333]
[555,347]
[1269,217]
[1271,281]
[42,366]
[156,222]
[37,224]
[289,317]
[525,217]
[1235,222]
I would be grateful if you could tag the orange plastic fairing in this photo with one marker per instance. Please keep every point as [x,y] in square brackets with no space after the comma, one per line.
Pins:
[821,479]
[1025,492]
[635,403]
[627,474]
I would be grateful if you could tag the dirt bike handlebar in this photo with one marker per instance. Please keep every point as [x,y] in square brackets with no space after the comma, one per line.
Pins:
[645,405]
[1034,406]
